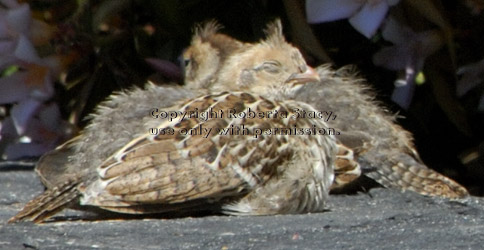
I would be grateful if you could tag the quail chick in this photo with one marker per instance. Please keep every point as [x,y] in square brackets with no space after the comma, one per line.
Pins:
[370,133]
[207,41]
[256,171]
[206,54]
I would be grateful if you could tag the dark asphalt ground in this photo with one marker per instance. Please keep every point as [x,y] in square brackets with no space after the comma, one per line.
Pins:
[380,219]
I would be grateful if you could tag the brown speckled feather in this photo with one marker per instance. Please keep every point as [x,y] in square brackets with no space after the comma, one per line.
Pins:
[170,169]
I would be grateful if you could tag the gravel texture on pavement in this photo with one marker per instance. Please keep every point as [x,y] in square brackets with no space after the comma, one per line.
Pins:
[379,219]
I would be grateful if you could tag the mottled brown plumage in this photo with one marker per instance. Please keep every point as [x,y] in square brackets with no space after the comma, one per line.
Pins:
[218,168]
[266,172]
[390,157]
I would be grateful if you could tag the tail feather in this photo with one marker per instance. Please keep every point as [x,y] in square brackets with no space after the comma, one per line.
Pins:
[405,173]
[48,203]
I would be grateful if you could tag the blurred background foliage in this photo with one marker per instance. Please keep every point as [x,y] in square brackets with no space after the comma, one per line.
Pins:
[424,59]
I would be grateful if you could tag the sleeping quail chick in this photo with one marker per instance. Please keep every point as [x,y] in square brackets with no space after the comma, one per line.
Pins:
[201,165]
[346,168]
[370,133]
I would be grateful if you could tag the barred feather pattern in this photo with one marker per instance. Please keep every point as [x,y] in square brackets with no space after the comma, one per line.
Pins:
[247,173]
[389,155]
[48,203]
[250,170]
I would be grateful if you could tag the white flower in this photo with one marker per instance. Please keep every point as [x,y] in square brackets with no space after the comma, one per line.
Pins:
[472,76]
[408,55]
[44,132]
[28,87]
[364,15]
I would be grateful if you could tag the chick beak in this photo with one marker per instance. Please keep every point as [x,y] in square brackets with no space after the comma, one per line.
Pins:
[310,75]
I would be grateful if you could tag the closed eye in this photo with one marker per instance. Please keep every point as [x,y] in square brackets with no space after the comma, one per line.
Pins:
[272,67]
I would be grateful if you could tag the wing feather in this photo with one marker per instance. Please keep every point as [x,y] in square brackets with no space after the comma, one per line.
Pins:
[193,165]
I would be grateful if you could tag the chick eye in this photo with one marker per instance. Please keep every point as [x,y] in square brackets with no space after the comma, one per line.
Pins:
[185,58]
[272,67]
[186,62]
